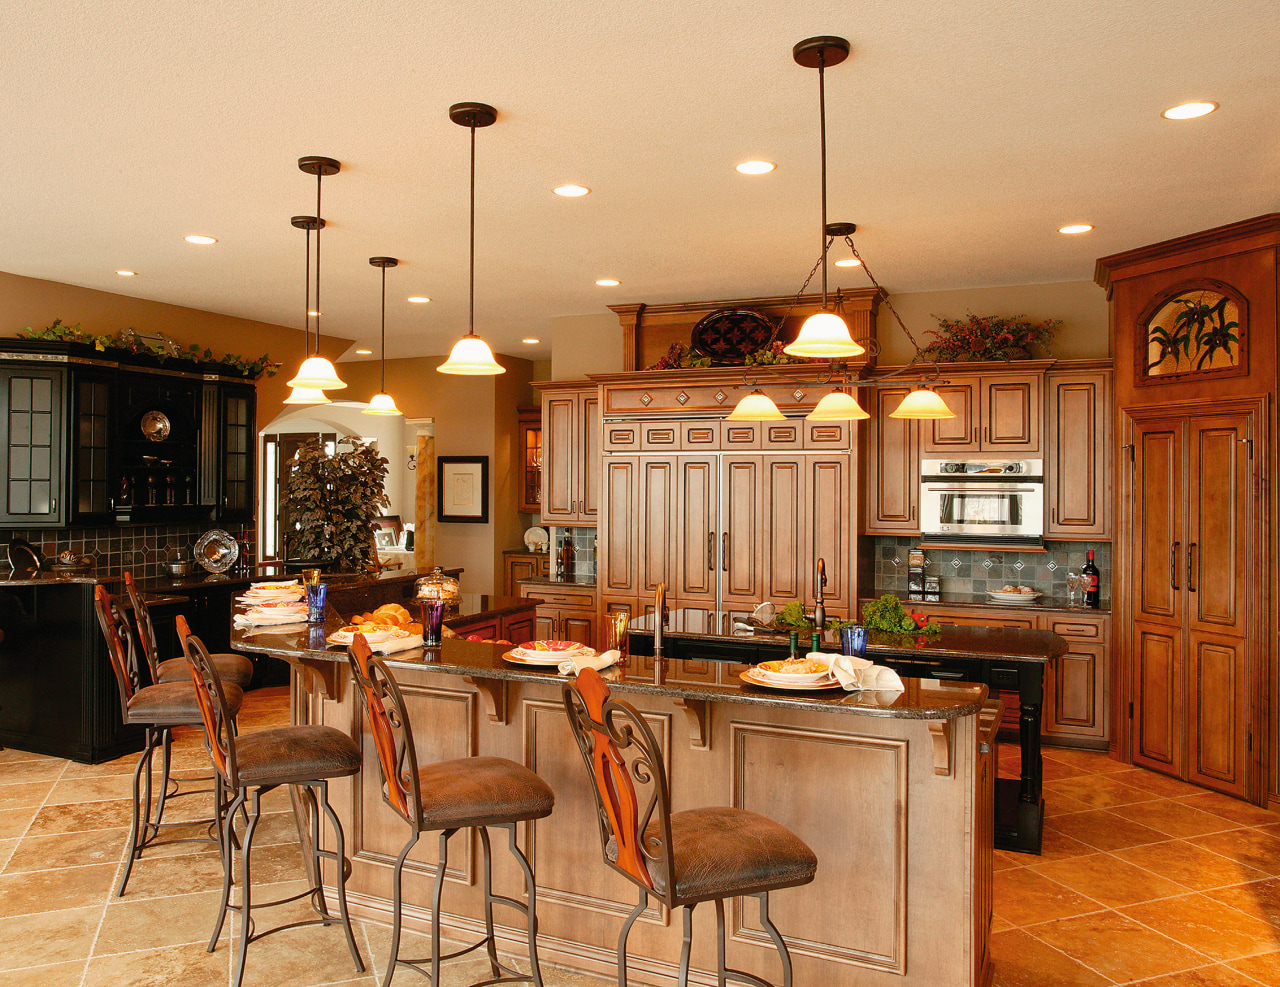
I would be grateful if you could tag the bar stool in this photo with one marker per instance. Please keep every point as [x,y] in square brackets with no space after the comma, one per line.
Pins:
[157,708]
[681,858]
[465,793]
[233,668]
[305,756]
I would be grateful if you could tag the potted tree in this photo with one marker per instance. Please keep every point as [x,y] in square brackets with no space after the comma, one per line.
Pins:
[332,503]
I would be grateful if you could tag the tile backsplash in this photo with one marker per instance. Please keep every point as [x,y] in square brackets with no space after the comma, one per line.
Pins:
[584,552]
[142,549]
[962,571]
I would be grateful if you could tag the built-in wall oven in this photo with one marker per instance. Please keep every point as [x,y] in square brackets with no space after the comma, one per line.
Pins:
[982,502]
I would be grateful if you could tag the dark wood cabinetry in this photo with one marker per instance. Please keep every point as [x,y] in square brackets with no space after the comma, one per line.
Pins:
[1077,466]
[529,437]
[995,413]
[523,565]
[91,487]
[33,442]
[567,613]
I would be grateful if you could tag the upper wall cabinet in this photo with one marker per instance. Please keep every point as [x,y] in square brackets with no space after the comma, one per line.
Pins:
[31,438]
[893,467]
[570,455]
[995,413]
[1077,466]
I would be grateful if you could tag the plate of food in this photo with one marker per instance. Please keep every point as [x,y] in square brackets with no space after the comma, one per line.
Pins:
[345,635]
[794,671]
[278,606]
[563,648]
[1014,594]
[538,659]
[754,676]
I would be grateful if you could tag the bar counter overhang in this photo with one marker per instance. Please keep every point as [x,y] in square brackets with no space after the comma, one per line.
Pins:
[892,791]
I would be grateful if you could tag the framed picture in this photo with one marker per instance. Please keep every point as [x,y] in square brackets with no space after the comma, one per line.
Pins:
[385,537]
[462,490]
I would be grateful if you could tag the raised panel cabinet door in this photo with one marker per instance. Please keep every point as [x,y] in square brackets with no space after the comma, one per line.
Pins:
[559,454]
[657,516]
[520,627]
[1218,702]
[1220,513]
[588,464]
[782,529]
[828,531]
[92,441]
[742,531]
[959,434]
[31,423]
[517,567]
[579,627]
[695,515]
[618,535]
[547,624]
[1074,694]
[1159,507]
[893,468]
[1078,457]
[1158,707]
[1010,414]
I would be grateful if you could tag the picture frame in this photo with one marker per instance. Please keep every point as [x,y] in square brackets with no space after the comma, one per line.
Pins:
[462,489]
[385,538]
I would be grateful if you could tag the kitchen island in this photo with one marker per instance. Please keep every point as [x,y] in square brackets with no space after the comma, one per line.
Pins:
[893,791]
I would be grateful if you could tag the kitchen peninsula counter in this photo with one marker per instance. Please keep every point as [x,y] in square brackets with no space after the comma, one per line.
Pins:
[892,791]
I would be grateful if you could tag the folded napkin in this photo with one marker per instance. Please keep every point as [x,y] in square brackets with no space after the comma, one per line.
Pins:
[264,619]
[395,644]
[857,674]
[288,596]
[600,662]
[296,623]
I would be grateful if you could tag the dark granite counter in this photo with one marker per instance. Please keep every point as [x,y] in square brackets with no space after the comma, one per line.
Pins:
[1045,604]
[922,699]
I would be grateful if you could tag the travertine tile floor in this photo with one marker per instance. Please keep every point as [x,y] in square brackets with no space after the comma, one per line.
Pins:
[1143,880]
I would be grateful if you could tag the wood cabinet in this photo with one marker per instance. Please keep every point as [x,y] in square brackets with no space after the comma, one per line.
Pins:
[893,467]
[567,613]
[32,441]
[529,441]
[570,455]
[1078,460]
[994,413]
[523,565]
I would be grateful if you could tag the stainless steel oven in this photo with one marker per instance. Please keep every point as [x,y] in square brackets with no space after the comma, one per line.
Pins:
[990,501]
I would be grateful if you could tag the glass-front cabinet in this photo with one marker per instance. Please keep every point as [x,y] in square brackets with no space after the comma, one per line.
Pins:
[31,436]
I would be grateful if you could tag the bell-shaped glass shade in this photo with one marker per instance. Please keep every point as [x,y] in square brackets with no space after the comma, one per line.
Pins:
[824,335]
[307,395]
[924,404]
[318,373]
[837,407]
[756,407]
[471,357]
[381,404]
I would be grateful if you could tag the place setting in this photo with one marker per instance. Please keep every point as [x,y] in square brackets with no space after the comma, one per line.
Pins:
[567,657]
[820,672]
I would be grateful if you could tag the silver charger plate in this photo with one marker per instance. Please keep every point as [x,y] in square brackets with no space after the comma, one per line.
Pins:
[216,551]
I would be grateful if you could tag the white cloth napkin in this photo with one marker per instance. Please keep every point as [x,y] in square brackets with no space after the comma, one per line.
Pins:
[600,662]
[395,644]
[264,619]
[857,674]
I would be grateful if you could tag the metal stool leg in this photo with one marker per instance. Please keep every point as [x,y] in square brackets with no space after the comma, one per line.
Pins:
[626,931]
[246,886]
[397,881]
[776,936]
[490,947]
[135,822]
[535,970]
[686,945]
[721,970]
[340,859]
[436,896]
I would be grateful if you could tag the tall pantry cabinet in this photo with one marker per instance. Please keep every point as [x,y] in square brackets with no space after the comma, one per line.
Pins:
[1194,324]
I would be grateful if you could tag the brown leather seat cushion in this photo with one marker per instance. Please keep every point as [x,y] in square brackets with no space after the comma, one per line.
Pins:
[291,754]
[720,851]
[236,669]
[481,791]
[175,703]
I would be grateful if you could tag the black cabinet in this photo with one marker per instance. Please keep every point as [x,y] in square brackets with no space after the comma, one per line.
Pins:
[237,440]
[32,440]
[92,499]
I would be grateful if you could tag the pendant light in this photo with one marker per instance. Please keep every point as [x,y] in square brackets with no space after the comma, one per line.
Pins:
[923,403]
[756,407]
[471,355]
[307,395]
[316,372]
[382,403]
[824,334]
[838,406]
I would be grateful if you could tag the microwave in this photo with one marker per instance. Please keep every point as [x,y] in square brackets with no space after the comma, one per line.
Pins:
[969,501]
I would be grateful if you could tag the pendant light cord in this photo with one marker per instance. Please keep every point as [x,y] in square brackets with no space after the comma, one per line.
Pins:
[822,119]
[383,344]
[306,308]
[319,224]
[471,319]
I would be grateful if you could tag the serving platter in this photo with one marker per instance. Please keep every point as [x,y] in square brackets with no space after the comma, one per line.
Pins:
[216,550]
[544,659]
[1000,597]
[752,677]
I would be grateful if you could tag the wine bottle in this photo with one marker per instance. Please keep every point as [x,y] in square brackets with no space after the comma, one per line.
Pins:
[1092,586]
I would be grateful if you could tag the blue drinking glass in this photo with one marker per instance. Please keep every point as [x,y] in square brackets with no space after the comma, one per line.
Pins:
[853,641]
[315,602]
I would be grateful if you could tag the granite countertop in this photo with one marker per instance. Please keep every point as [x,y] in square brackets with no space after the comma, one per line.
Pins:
[29,577]
[955,641]
[1044,604]
[553,581]
[921,699]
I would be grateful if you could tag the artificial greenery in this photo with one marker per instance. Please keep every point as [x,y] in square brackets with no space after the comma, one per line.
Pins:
[888,615]
[989,337]
[332,502]
[130,341]
[681,357]
[793,617]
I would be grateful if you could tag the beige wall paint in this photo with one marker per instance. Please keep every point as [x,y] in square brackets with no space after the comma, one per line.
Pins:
[36,303]
[585,344]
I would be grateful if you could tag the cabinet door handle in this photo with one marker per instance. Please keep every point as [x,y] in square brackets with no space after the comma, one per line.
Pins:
[1173,565]
[975,433]
[1053,515]
[724,551]
[1191,567]
[913,513]
[986,434]
[711,551]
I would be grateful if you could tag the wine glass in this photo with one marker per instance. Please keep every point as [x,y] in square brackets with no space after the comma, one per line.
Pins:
[1075,589]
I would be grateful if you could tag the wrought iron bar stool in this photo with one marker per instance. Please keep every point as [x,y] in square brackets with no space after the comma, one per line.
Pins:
[233,668]
[682,858]
[465,793]
[305,756]
[157,708]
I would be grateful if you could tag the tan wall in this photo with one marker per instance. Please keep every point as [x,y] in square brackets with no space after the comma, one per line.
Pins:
[32,302]
[585,344]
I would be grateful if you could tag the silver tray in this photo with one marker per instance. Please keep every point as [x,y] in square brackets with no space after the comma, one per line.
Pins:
[216,551]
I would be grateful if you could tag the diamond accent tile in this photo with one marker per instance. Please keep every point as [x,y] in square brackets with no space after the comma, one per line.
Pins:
[897,561]
[987,563]
[720,396]
[1052,565]
[955,564]
[682,397]
[1018,565]
[798,394]
[645,399]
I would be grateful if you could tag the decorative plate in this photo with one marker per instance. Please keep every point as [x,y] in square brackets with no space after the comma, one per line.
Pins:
[768,671]
[1000,597]
[752,677]
[155,426]
[730,334]
[562,648]
[547,659]
[216,550]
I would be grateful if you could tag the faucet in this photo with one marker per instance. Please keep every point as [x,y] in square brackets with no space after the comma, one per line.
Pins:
[659,617]
[819,607]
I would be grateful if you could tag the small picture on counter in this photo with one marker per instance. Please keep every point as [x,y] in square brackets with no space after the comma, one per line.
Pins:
[462,492]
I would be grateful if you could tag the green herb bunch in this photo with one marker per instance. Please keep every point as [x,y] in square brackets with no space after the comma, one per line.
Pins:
[889,616]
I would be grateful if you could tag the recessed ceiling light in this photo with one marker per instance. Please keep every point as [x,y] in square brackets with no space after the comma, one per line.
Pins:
[419,299]
[531,340]
[364,352]
[756,167]
[1189,111]
[571,191]
[849,262]
[127,274]
[200,238]
[608,283]
[1075,228]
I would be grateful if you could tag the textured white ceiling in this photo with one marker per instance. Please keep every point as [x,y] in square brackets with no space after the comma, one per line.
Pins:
[961,136]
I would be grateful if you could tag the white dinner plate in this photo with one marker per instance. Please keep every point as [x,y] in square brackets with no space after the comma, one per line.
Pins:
[1012,597]
[538,659]
[752,677]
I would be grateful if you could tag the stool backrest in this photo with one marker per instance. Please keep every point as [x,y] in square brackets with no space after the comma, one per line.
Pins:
[142,622]
[621,752]
[219,728]
[383,704]
[120,646]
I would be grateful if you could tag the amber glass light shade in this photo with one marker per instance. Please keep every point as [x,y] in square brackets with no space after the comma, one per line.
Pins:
[307,395]
[317,372]
[755,407]
[471,357]
[837,406]
[923,404]
[824,335]
[381,404]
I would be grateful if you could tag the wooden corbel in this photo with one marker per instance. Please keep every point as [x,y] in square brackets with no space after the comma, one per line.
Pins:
[697,713]
[941,731]
[494,692]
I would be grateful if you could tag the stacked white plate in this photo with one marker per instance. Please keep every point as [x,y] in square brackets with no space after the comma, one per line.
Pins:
[273,592]
[1001,597]
[548,652]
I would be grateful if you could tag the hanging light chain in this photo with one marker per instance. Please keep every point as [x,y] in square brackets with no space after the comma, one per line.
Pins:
[884,296]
